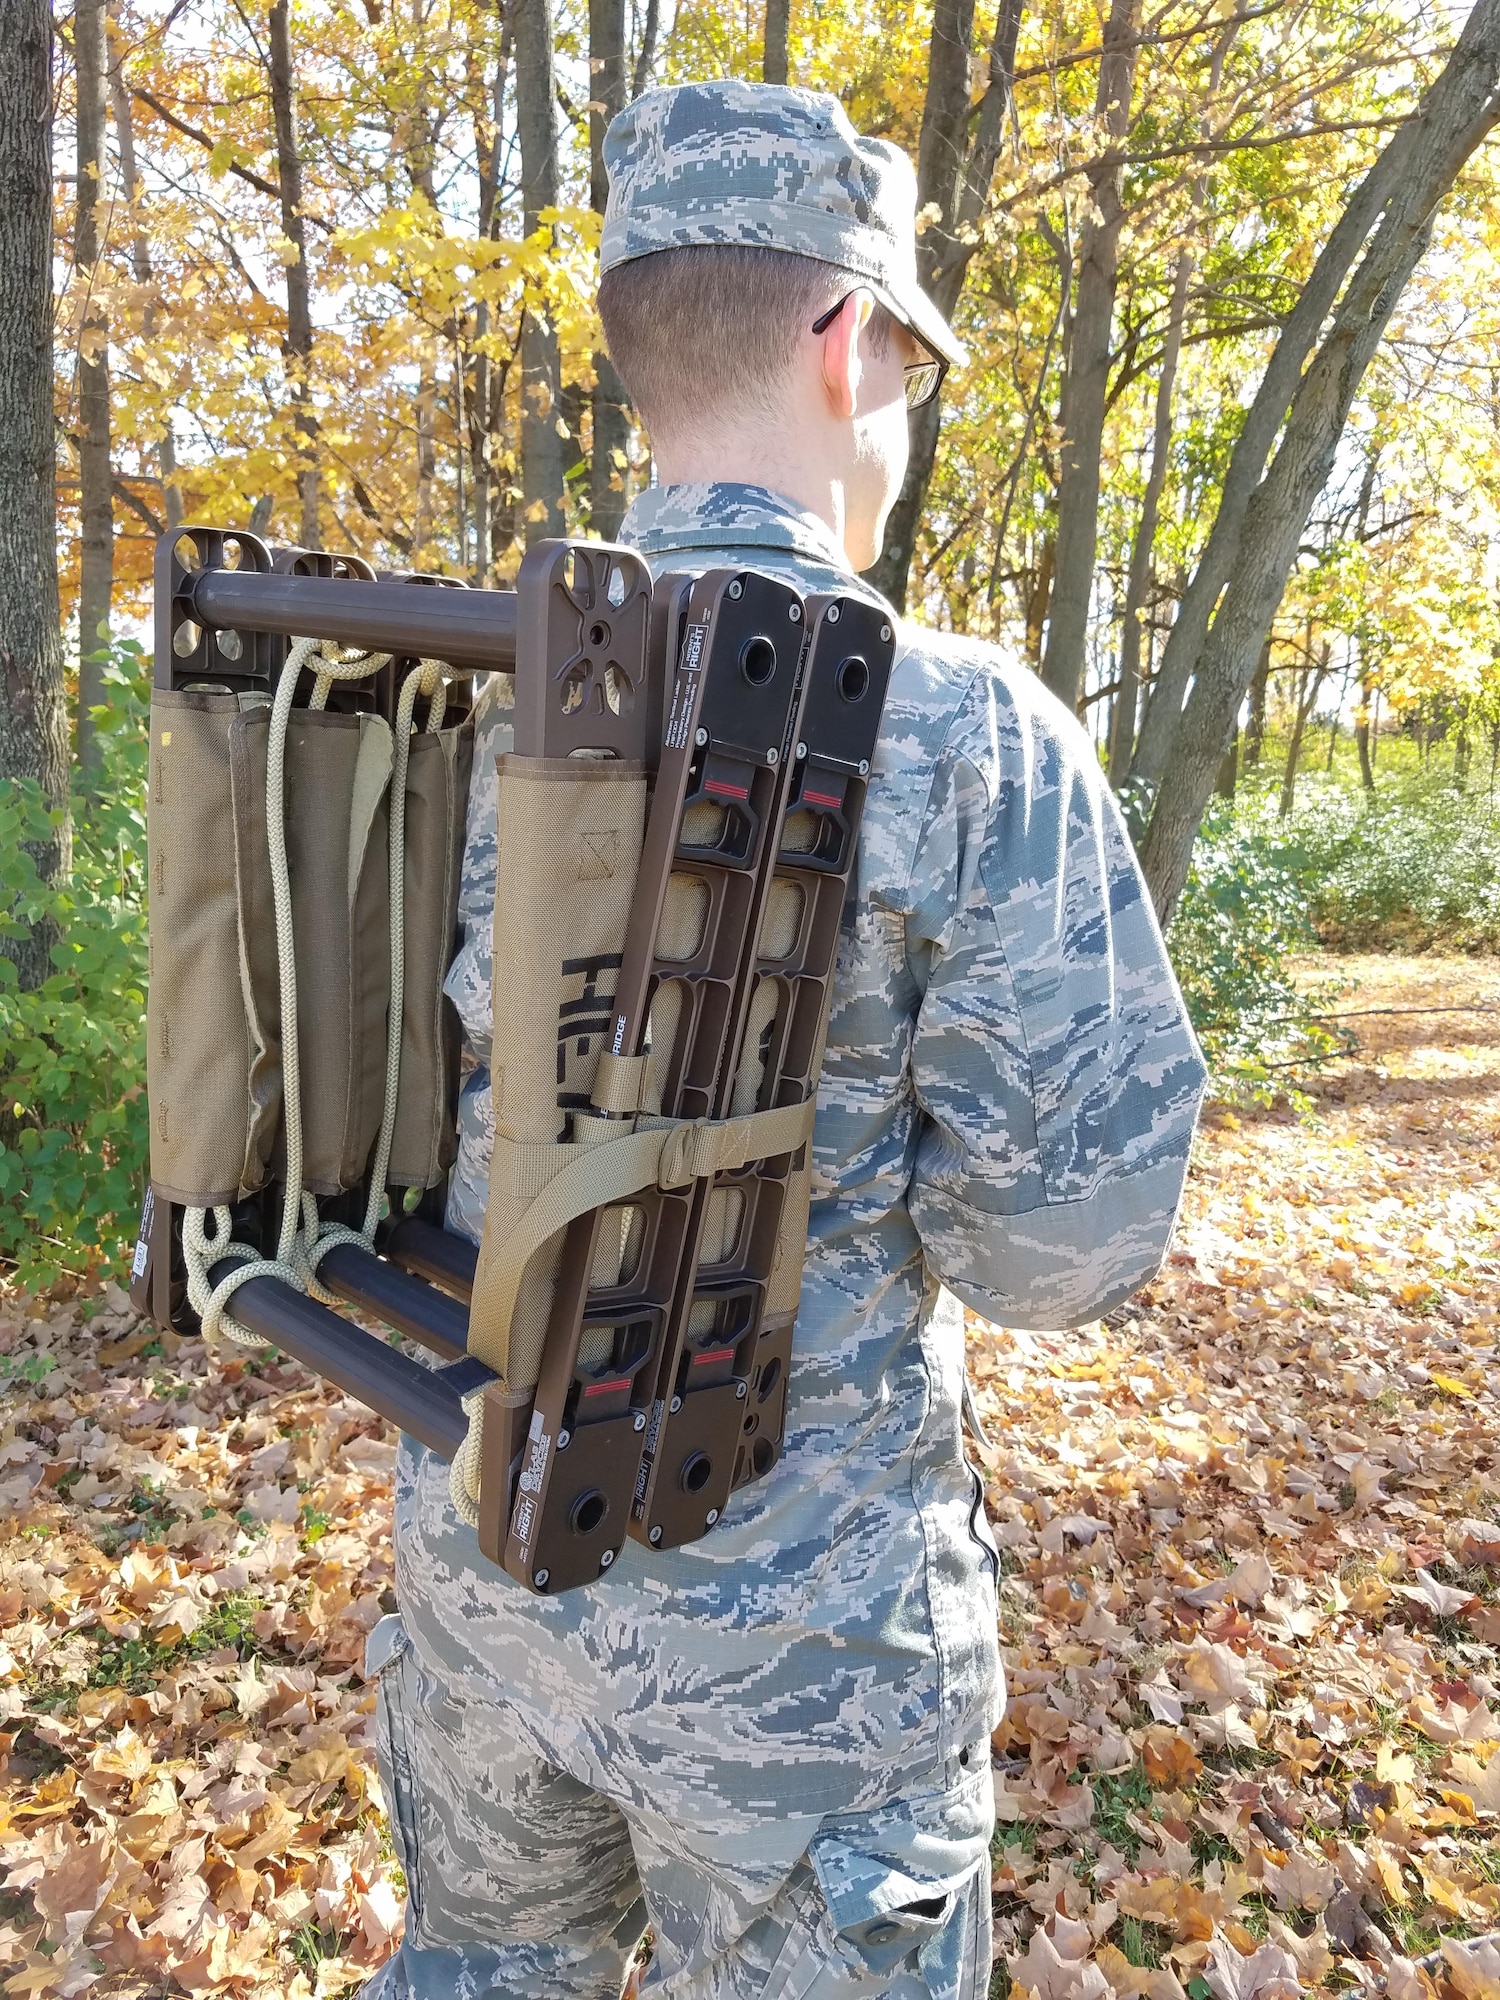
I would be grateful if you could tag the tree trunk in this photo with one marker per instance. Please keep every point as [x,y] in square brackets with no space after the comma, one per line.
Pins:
[1280,384]
[1137,589]
[1038,600]
[96,508]
[1333,733]
[423,554]
[460,437]
[140,260]
[489,98]
[778,34]
[1229,771]
[1312,682]
[1255,726]
[299,331]
[611,407]
[954,172]
[33,713]
[1086,376]
[1431,148]
[541,367]
[645,61]
[1362,734]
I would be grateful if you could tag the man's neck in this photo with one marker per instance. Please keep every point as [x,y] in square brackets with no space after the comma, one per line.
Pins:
[782,465]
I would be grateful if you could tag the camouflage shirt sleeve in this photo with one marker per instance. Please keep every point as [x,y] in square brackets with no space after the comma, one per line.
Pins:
[1052,1056]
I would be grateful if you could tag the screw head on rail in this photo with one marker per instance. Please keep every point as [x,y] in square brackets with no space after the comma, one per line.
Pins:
[676,1404]
[606,1559]
[864,767]
[700,738]
[736,589]
[639,1420]
[773,758]
[541,1578]
[741,1389]
[833,614]
[885,632]
[655,1536]
[794,612]
[713,1515]
[564,1439]
[801,749]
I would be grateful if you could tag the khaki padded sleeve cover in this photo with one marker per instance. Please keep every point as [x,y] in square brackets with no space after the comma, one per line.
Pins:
[425,1143]
[337,855]
[198,1052]
[260,989]
[568,847]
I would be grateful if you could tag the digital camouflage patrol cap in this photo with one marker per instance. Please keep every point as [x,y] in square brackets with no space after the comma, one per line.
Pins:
[775,168]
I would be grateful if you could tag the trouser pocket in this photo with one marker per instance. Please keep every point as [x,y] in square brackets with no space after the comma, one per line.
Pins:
[389,1657]
[980,1532]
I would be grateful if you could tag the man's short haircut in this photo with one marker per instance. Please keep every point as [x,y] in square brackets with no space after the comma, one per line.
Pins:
[711,328]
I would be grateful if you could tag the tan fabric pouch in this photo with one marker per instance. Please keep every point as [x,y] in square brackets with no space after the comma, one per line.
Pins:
[338,770]
[198,1051]
[425,1144]
[568,847]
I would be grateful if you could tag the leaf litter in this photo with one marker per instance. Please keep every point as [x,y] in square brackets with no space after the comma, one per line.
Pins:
[1250,1555]
[1250,1598]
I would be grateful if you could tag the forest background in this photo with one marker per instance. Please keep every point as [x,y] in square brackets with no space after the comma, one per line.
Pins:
[1223,469]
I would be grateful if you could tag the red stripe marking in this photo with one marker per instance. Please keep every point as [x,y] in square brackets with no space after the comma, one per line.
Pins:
[607,1388]
[717,1354]
[728,791]
[822,799]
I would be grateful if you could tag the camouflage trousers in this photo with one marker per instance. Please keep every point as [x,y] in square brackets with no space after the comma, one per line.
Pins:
[526,1884]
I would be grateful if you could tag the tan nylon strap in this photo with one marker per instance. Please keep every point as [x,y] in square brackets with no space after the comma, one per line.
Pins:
[565,1181]
[618,1084]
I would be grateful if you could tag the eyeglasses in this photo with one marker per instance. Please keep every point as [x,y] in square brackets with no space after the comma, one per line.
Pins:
[920,379]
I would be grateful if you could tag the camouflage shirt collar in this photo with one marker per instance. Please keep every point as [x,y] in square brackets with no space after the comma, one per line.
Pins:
[725,514]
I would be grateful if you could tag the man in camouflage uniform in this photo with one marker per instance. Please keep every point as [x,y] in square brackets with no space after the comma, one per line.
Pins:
[773,1743]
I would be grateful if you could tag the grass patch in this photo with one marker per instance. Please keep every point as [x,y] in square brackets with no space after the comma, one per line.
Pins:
[1145,1945]
[137,1664]
[1117,1794]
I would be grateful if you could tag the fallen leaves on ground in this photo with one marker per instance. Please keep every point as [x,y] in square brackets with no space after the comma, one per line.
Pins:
[191,1557]
[1250,1551]
[1250,1537]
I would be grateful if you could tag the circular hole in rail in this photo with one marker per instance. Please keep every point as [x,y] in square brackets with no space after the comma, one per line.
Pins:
[762,1456]
[588,1511]
[853,678]
[751,1425]
[757,660]
[696,1472]
[598,635]
[770,1375]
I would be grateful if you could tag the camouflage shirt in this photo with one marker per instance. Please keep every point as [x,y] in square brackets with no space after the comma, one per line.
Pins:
[1004,1119]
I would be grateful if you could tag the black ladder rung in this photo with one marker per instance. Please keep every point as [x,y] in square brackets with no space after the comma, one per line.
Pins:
[401,1299]
[435,1254]
[417,1399]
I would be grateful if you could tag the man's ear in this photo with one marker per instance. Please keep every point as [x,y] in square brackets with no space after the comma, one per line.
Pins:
[843,367]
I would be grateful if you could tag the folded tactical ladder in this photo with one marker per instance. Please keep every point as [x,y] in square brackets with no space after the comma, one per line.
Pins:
[675,843]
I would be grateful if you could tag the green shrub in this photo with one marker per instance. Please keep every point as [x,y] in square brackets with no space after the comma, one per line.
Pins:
[1244,913]
[1416,867]
[73,1136]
